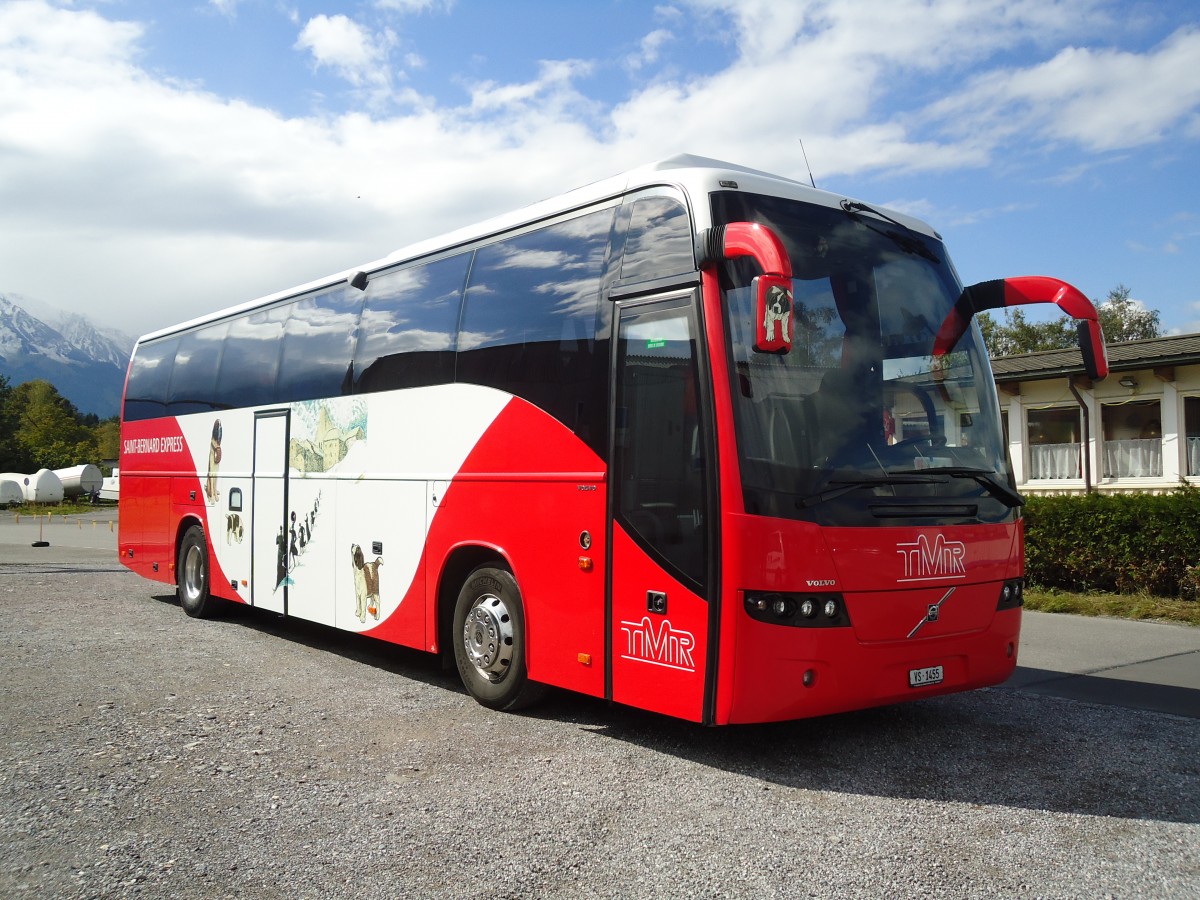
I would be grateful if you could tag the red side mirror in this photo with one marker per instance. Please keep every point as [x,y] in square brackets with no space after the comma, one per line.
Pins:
[1022,291]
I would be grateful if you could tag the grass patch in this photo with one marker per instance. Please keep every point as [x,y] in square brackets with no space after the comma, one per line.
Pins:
[1124,606]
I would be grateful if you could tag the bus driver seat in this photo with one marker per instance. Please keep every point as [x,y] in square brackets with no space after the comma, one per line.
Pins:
[845,419]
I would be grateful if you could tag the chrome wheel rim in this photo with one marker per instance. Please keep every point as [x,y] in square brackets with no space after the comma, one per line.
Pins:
[488,637]
[193,574]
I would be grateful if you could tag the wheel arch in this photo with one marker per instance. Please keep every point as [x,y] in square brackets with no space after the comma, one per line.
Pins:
[459,563]
[185,523]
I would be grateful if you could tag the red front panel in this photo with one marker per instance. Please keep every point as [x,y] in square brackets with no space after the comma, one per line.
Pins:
[888,579]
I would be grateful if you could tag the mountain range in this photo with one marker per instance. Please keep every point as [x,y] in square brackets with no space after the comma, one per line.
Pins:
[84,361]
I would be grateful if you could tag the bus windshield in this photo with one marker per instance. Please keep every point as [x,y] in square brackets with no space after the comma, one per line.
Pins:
[861,423]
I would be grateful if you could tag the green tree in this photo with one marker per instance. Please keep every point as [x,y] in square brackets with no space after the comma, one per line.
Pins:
[1019,335]
[1121,318]
[12,455]
[1124,319]
[48,427]
[108,439]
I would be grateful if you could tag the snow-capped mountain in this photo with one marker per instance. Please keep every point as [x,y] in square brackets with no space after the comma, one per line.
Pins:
[85,362]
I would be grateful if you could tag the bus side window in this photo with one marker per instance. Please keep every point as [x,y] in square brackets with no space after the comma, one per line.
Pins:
[530,316]
[149,375]
[250,359]
[659,240]
[318,344]
[408,331]
[194,376]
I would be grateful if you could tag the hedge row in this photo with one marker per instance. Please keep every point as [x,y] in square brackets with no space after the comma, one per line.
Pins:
[1119,543]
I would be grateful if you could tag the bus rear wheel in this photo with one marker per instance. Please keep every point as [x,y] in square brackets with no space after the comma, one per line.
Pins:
[488,634]
[191,575]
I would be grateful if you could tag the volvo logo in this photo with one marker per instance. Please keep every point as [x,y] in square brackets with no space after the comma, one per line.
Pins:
[932,613]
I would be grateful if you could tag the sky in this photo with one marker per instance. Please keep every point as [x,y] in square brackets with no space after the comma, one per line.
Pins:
[162,159]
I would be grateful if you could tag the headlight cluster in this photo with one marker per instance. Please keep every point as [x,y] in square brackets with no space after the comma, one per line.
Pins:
[798,610]
[1012,594]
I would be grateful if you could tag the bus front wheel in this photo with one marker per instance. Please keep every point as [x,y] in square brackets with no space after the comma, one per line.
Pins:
[489,641]
[191,575]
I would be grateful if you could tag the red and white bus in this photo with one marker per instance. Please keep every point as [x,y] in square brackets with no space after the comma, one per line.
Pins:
[696,439]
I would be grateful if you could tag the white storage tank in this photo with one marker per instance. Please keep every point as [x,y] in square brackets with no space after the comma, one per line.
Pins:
[43,486]
[10,492]
[17,478]
[80,480]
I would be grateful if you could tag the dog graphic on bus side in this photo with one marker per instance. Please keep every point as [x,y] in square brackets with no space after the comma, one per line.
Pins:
[366,584]
[214,461]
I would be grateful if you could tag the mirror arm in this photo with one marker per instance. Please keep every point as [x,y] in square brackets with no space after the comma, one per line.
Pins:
[744,239]
[1028,289]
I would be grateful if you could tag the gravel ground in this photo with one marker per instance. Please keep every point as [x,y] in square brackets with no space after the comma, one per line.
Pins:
[145,754]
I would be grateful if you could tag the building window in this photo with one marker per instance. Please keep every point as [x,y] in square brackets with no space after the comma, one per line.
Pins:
[1191,425]
[1054,449]
[1132,439]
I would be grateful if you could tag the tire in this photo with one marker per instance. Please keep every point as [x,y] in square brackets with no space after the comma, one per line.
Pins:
[488,635]
[192,577]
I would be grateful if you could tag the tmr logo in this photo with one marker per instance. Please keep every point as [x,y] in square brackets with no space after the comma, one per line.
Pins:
[661,646]
[926,560]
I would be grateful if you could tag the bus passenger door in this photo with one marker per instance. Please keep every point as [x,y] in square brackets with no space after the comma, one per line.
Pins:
[268,587]
[658,611]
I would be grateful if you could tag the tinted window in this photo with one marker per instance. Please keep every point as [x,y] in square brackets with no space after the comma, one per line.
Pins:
[194,377]
[659,242]
[659,460]
[318,345]
[407,338]
[149,377]
[529,321]
[250,359]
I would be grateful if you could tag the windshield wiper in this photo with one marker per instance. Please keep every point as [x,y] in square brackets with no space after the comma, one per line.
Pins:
[908,242]
[938,475]
[845,486]
[993,485]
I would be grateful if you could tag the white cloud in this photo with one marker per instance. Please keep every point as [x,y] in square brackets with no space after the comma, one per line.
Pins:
[649,49]
[225,7]
[1103,99]
[414,6]
[348,48]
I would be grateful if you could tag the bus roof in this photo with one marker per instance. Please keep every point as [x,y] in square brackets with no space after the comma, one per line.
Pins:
[695,175]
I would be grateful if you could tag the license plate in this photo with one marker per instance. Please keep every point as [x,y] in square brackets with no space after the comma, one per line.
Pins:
[923,677]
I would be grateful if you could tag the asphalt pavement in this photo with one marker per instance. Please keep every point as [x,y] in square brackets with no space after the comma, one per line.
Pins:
[1140,665]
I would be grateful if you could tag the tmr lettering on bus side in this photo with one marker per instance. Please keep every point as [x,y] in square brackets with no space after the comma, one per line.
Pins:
[662,646]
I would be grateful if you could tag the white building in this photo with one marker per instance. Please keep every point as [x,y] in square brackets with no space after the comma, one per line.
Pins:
[1137,430]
